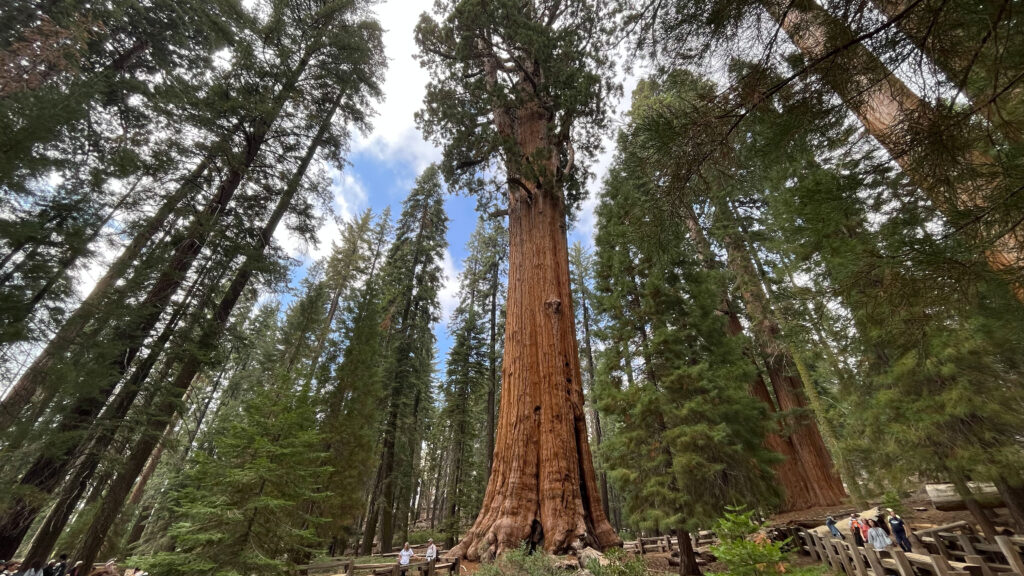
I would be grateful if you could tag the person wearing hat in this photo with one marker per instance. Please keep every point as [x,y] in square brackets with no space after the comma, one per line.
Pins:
[431,550]
[9,568]
[899,530]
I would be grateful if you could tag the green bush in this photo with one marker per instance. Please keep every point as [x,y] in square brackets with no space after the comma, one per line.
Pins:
[421,536]
[519,563]
[744,550]
[622,564]
[892,499]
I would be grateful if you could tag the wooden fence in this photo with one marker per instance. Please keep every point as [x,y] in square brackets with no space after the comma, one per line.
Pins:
[1003,558]
[348,567]
[667,543]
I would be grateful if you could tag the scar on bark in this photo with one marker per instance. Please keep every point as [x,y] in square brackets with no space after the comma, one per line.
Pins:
[554,305]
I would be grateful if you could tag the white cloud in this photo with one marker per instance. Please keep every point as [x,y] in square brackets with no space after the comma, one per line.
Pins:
[449,294]
[349,198]
[395,138]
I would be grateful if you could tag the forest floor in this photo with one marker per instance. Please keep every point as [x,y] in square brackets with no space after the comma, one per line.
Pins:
[918,512]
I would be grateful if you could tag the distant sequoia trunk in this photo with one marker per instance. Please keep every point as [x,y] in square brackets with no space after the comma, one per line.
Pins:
[889,110]
[543,469]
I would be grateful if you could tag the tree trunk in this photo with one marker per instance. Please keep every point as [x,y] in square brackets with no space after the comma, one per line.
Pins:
[796,490]
[211,333]
[925,24]
[105,429]
[492,384]
[373,513]
[825,486]
[588,351]
[22,392]
[1013,497]
[987,527]
[687,559]
[543,468]
[887,108]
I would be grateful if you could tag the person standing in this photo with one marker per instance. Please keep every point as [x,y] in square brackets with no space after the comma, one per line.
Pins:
[431,550]
[831,523]
[62,566]
[880,520]
[899,530]
[405,555]
[858,537]
[877,537]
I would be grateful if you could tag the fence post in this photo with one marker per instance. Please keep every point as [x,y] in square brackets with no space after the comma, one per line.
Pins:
[902,564]
[977,559]
[874,562]
[1012,555]
[858,560]
[942,567]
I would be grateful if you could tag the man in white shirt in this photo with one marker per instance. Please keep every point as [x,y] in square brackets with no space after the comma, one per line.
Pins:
[431,550]
[405,554]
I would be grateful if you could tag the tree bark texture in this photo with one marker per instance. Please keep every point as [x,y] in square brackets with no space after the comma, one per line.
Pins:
[928,26]
[492,385]
[543,468]
[889,110]
[687,559]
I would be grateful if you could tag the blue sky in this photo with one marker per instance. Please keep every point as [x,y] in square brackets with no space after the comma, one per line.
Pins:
[384,163]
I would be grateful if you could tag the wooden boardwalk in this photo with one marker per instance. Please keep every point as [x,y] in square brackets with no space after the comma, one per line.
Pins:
[948,554]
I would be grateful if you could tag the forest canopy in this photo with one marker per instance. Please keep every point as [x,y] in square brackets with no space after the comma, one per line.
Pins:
[781,271]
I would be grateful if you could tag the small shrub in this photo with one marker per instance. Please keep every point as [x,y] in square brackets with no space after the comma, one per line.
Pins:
[627,535]
[519,563]
[891,499]
[421,536]
[744,550]
[622,564]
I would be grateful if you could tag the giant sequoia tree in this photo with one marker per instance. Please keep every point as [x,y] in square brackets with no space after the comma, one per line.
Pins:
[517,89]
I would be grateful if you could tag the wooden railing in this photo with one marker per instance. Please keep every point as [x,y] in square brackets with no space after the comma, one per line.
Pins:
[981,559]
[348,567]
[666,543]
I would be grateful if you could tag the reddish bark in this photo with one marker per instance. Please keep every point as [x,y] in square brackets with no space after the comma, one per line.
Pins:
[823,484]
[543,469]
[890,110]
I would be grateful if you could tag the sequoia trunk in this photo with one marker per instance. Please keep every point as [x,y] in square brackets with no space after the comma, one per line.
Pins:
[888,109]
[542,468]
